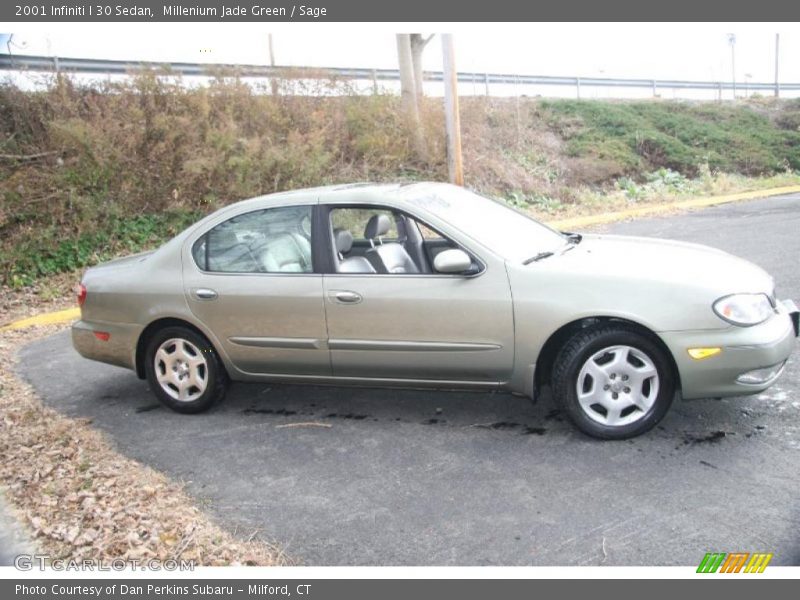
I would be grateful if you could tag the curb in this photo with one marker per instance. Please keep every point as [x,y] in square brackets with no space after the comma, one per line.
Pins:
[52,318]
[660,209]
[70,314]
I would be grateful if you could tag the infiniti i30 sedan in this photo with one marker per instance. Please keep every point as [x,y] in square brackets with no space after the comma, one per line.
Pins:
[432,285]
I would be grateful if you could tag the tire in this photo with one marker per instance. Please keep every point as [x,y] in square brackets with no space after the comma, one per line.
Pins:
[184,370]
[613,382]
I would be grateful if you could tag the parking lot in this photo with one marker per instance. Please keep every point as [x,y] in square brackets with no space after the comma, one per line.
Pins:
[405,477]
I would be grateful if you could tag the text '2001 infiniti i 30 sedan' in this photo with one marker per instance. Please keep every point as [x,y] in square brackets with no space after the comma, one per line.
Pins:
[433,285]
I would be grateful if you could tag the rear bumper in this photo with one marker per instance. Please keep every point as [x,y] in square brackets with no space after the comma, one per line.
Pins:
[743,349]
[119,349]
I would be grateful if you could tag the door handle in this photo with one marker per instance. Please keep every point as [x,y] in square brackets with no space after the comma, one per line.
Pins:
[348,297]
[205,294]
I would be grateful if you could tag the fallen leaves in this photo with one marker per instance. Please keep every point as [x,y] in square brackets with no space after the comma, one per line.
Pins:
[82,500]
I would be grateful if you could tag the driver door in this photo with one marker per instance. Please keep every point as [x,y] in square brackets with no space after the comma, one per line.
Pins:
[418,326]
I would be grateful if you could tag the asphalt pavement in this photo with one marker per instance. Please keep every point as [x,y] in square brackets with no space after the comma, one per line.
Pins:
[404,477]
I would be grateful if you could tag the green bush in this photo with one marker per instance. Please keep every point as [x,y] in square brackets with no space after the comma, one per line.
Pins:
[644,136]
[38,257]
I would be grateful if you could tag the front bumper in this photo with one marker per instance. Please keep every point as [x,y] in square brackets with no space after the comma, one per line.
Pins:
[120,347]
[743,349]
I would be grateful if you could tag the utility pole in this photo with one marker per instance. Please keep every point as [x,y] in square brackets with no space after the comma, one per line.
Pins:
[452,120]
[777,53]
[732,42]
[273,81]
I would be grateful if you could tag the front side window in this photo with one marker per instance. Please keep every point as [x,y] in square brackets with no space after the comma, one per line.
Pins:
[379,240]
[273,240]
[355,221]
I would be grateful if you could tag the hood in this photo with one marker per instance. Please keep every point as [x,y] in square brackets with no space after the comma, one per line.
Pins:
[668,261]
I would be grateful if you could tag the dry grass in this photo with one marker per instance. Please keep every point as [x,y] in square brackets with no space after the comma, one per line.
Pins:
[81,499]
[119,167]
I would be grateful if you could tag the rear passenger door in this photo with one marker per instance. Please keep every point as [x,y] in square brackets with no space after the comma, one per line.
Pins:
[251,281]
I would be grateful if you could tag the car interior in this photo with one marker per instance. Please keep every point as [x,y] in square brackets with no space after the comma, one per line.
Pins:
[276,241]
[279,241]
[391,242]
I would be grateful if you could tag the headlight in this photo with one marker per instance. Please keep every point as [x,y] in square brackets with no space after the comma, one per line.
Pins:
[744,309]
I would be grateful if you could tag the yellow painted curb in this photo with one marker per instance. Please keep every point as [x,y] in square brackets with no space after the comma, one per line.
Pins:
[60,316]
[70,314]
[649,211]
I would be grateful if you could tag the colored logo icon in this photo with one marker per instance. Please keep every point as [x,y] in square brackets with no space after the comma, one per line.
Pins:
[734,562]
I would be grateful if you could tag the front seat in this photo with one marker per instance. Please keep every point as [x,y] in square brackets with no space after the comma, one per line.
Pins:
[390,257]
[355,264]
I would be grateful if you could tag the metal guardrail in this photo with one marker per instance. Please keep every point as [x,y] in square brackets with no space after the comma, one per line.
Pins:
[102,66]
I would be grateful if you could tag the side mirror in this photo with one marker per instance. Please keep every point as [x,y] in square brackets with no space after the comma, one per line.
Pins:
[452,261]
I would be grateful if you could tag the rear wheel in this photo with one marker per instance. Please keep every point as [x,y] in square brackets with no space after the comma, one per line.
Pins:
[184,371]
[613,382]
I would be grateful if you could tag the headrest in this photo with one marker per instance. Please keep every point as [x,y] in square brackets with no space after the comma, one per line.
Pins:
[223,238]
[377,226]
[343,240]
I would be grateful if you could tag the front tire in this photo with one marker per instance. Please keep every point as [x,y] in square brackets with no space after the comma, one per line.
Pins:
[613,382]
[184,370]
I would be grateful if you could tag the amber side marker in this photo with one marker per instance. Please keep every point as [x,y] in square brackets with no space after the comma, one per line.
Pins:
[701,353]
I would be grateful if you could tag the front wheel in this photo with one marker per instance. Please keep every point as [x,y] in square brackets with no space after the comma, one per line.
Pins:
[184,371]
[614,383]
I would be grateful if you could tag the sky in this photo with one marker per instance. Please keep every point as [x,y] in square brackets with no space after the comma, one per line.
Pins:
[637,50]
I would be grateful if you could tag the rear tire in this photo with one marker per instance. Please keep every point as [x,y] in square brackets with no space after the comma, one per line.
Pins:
[184,370]
[613,382]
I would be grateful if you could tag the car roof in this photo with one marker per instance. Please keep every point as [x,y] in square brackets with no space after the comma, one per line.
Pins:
[364,189]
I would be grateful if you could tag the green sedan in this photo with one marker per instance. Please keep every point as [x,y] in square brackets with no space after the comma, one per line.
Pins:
[431,285]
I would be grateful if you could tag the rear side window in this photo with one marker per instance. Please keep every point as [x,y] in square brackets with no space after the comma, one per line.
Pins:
[273,240]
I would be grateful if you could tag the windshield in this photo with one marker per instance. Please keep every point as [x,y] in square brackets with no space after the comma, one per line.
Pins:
[510,233]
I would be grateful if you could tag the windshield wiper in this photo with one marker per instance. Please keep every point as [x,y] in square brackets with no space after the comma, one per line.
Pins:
[537,257]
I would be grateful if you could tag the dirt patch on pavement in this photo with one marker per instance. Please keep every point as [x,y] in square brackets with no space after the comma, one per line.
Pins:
[80,499]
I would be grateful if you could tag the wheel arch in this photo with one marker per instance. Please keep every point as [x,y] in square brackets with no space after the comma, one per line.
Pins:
[156,326]
[546,359]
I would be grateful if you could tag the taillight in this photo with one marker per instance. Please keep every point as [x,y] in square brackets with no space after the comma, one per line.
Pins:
[81,290]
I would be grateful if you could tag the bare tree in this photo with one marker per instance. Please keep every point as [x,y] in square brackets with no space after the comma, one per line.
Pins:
[418,44]
[408,90]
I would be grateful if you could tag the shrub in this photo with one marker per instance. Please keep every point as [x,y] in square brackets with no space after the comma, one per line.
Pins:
[119,167]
